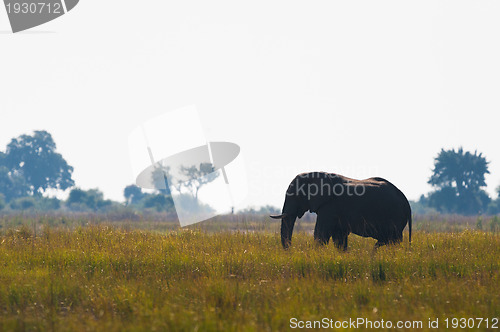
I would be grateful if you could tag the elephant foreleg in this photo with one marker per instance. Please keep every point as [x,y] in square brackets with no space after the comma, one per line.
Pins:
[321,232]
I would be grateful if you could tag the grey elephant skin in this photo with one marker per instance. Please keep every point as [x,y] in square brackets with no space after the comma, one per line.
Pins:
[372,207]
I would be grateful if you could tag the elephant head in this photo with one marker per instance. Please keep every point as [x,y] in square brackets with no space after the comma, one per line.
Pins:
[307,191]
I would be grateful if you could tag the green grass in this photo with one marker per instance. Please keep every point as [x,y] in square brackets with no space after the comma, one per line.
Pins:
[101,278]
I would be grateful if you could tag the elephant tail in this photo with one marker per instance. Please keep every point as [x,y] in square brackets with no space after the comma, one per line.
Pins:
[409,228]
[408,217]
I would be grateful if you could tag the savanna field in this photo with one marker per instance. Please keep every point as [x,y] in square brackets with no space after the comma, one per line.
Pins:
[83,275]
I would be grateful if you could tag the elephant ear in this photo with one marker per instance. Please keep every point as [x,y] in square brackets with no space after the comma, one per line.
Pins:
[321,188]
[317,201]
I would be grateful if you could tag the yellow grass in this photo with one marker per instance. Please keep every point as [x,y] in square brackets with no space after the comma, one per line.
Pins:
[99,278]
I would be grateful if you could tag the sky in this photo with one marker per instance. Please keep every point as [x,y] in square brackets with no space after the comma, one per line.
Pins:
[358,88]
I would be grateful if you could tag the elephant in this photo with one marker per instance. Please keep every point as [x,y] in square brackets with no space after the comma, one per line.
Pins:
[372,207]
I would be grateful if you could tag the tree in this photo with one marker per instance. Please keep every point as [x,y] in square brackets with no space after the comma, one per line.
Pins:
[159,202]
[494,207]
[161,179]
[133,194]
[35,158]
[264,210]
[23,203]
[2,202]
[459,178]
[12,184]
[198,176]
[92,199]
[48,204]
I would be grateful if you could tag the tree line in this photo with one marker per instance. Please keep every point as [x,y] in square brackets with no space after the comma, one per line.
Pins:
[31,169]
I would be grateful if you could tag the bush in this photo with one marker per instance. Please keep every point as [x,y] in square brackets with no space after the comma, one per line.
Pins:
[495,224]
[48,204]
[159,202]
[494,207]
[77,207]
[263,210]
[87,200]
[479,223]
[23,203]
[2,202]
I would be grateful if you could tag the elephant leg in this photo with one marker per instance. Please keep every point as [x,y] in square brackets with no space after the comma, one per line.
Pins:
[394,240]
[341,241]
[322,232]
[393,236]
[398,231]
[398,238]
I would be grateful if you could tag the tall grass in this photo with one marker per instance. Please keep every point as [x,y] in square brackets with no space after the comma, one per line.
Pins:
[95,278]
[238,222]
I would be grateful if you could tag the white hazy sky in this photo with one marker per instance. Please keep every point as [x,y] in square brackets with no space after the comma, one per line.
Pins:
[360,88]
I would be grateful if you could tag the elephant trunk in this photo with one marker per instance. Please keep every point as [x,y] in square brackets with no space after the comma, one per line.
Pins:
[287,224]
[288,216]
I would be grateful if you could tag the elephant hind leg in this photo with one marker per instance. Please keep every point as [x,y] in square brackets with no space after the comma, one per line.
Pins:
[398,239]
[395,238]
[389,240]
[341,241]
[322,240]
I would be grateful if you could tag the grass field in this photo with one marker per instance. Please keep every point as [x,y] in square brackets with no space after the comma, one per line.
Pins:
[110,278]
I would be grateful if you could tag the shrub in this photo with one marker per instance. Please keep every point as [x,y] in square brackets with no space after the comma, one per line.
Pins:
[159,202]
[479,223]
[2,202]
[23,203]
[495,224]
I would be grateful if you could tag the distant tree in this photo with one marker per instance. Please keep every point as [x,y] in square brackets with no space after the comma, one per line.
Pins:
[162,199]
[133,194]
[422,206]
[47,203]
[263,210]
[12,184]
[162,178]
[2,202]
[35,158]
[198,177]
[77,195]
[23,203]
[494,206]
[458,177]
[92,199]
[159,202]
[268,209]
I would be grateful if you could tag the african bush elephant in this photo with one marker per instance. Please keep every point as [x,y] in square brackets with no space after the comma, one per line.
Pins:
[370,208]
